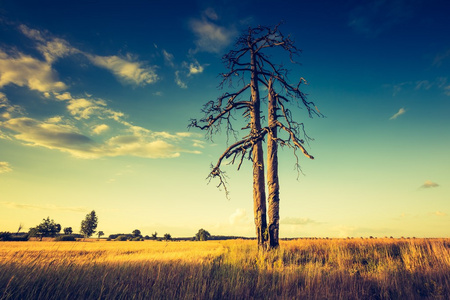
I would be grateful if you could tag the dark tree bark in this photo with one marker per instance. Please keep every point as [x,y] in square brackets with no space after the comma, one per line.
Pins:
[259,189]
[272,170]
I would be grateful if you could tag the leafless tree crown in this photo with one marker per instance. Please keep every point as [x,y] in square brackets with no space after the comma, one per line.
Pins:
[250,59]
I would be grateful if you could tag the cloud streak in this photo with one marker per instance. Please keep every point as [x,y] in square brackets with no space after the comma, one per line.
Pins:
[126,69]
[376,16]
[44,207]
[5,167]
[429,184]
[400,112]
[210,36]
[297,221]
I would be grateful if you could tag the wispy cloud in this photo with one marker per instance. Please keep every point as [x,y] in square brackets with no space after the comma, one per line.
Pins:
[71,133]
[52,136]
[376,16]
[168,58]
[178,80]
[44,207]
[67,138]
[429,184]
[297,221]
[194,67]
[210,36]
[126,68]
[440,58]
[5,167]
[8,110]
[438,84]
[400,112]
[52,48]
[187,70]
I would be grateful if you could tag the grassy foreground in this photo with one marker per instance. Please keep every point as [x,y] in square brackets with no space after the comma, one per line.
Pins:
[301,269]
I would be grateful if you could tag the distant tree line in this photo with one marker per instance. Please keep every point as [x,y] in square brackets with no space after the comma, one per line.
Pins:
[49,228]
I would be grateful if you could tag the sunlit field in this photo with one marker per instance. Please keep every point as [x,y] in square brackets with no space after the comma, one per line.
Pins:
[302,269]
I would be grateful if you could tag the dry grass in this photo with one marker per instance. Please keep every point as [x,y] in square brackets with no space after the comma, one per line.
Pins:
[301,269]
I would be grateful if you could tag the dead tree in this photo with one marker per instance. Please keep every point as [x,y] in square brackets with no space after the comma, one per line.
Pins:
[280,119]
[249,67]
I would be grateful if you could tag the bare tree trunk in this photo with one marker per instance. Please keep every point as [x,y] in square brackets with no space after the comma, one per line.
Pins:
[272,172]
[259,189]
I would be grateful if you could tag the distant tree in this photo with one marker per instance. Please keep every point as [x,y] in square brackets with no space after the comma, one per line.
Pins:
[5,236]
[89,224]
[167,237]
[121,238]
[146,237]
[136,233]
[100,233]
[47,228]
[202,235]
[68,230]
[20,228]
[155,236]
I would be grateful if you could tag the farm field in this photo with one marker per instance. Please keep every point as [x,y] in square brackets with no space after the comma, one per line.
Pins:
[233,269]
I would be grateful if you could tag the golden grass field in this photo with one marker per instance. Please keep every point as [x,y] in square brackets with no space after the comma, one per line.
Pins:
[233,269]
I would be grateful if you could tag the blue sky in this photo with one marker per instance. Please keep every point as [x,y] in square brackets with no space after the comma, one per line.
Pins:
[95,99]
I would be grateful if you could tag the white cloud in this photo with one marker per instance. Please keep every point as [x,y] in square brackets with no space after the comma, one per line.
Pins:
[51,48]
[400,112]
[99,129]
[211,37]
[374,17]
[55,119]
[194,67]
[429,184]
[135,146]
[126,69]
[26,71]
[82,108]
[62,97]
[5,167]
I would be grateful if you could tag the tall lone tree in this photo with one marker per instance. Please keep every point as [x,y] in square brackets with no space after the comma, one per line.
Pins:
[89,224]
[249,62]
